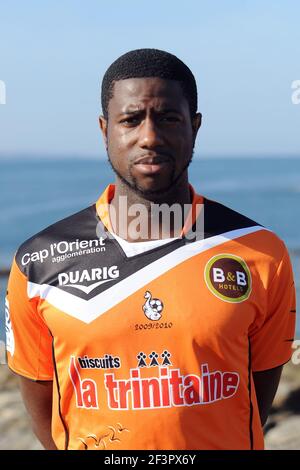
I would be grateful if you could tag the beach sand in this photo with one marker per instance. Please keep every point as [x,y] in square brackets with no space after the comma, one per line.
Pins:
[282,428]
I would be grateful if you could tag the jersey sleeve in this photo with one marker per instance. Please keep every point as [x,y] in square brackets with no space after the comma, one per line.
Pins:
[28,340]
[271,342]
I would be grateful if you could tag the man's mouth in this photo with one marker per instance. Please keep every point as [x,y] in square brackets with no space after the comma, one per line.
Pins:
[152,160]
[152,164]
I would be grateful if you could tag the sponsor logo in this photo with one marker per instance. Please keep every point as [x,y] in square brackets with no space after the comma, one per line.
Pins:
[106,362]
[10,339]
[154,359]
[165,387]
[152,307]
[228,278]
[100,275]
[85,389]
[64,249]
[170,388]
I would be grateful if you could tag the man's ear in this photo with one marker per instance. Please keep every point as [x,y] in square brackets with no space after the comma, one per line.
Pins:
[103,127]
[196,124]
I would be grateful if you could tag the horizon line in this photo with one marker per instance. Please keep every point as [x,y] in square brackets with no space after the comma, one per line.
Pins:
[67,156]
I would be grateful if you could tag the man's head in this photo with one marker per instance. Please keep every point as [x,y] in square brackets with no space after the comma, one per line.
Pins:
[150,119]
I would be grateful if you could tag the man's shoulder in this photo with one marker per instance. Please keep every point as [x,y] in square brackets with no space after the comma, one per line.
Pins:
[44,244]
[220,219]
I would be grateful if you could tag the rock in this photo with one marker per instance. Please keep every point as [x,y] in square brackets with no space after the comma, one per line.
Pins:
[282,394]
[15,430]
[285,435]
[2,352]
[8,380]
[290,381]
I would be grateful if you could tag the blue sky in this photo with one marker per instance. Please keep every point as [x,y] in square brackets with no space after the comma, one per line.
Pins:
[244,55]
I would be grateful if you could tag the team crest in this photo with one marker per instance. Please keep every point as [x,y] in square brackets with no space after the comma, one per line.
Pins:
[152,307]
[228,278]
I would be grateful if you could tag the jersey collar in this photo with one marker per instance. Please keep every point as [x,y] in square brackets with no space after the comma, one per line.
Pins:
[102,208]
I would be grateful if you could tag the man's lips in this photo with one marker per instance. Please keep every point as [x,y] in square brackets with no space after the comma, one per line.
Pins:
[149,165]
[152,160]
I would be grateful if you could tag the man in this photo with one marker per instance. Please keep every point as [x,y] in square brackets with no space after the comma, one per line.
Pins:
[168,333]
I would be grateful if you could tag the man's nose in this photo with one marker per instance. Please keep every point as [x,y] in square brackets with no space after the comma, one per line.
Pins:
[149,134]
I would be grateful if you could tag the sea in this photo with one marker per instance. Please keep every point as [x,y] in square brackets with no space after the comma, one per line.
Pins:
[34,193]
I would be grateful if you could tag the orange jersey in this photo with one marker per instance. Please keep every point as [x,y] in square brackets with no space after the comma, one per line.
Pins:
[154,349]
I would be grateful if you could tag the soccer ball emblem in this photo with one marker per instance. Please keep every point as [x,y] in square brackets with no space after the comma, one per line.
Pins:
[156,305]
[152,307]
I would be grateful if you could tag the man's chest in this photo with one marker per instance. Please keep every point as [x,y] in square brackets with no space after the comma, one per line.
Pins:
[206,294]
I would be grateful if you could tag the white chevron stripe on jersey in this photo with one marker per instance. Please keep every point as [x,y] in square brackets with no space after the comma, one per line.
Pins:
[88,310]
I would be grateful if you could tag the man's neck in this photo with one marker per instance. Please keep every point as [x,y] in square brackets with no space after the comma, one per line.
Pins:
[140,223]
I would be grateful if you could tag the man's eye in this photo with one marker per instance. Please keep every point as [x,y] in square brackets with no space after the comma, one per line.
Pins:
[170,119]
[131,120]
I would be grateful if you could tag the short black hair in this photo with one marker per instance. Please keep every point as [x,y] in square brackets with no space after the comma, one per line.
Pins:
[142,63]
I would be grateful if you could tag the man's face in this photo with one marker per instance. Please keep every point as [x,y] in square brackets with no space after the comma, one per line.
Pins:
[149,133]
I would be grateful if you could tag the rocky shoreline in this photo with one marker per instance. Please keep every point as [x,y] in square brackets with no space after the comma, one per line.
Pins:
[283,425]
[15,430]
[282,431]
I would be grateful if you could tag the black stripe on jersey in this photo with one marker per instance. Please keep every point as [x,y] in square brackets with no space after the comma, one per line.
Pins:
[220,219]
[84,227]
[59,399]
[250,396]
